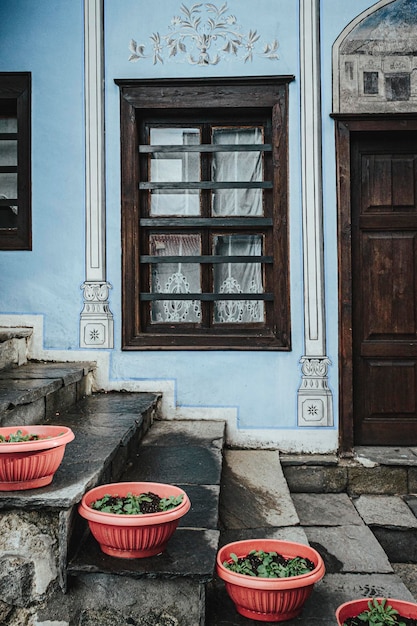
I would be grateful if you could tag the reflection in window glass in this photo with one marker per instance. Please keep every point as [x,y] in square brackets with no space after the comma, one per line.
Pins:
[175,277]
[8,152]
[237,167]
[175,167]
[8,186]
[8,124]
[238,278]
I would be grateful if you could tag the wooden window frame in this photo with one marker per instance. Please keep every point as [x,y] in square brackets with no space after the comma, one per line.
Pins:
[138,98]
[15,89]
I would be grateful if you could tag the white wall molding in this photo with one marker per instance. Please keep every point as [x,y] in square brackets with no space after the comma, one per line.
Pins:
[314,397]
[96,321]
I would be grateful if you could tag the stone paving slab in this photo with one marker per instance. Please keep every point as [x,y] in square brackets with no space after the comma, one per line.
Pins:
[408,574]
[399,544]
[184,432]
[348,549]
[331,509]
[379,480]
[411,501]
[385,455]
[68,372]
[17,392]
[387,511]
[309,459]
[180,452]
[289,533]
[204,506]
[15,332]
[189,465]
[316,478]
[189,554]
[105,600]
[254,492]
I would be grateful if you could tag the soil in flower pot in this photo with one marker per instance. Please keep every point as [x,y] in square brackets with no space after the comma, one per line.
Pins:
[269,565]
[141,504]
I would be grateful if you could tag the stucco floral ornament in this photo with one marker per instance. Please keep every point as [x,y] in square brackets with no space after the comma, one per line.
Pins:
[204,41]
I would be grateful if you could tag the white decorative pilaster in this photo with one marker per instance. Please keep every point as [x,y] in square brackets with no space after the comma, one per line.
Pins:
[96,323]
[315,406]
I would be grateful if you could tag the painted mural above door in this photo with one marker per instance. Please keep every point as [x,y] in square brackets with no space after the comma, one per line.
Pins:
[375,60]
[204,34]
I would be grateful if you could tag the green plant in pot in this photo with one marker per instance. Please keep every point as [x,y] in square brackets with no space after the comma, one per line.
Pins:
[377,612]
[133,519]
[269,580]
[268,565]
[30,456]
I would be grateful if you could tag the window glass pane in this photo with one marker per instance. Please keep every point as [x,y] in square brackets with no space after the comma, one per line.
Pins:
[175,278]
[8,124]
[237,167]
[8,217]
[8,152]
[238,278]
[8,186]
[174,167]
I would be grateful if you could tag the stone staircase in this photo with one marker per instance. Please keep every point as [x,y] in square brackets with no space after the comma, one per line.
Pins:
[52,572]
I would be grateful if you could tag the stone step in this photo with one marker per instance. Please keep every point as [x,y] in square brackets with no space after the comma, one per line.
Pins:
[41,528]
[13,346]
[37,391]
[170,586]
[371,470]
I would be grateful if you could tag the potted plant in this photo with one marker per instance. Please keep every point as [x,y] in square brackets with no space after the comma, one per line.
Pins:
[276,586]
[118,525]
[377,611]
[30,455]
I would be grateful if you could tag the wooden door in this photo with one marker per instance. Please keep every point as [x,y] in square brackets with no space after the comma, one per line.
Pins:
[384,287]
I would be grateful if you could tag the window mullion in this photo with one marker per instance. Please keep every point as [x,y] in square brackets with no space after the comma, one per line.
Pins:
[206,268]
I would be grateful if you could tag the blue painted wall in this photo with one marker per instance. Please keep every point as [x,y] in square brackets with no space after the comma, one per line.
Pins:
[46,38]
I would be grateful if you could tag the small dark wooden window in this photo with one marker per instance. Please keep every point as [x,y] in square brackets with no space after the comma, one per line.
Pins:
[204,214]
[15,180]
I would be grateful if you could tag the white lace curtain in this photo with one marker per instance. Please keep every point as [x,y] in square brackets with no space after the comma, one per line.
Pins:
[228,278]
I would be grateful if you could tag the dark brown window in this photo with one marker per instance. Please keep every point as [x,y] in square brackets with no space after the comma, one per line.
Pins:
[15,185]
[204,214]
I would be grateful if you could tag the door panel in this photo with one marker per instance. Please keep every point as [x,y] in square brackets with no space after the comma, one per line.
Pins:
[388,289]
[384,287]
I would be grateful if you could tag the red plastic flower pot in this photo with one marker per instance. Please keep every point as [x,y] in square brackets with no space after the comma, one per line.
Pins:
[32,464]
[133,536]
[269,599]
[354,607]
